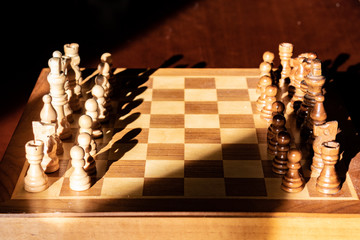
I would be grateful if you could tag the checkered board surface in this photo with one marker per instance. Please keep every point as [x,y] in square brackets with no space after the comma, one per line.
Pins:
[181,134]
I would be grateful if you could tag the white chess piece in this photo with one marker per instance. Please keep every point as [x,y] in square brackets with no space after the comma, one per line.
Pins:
[35,179]
[72,50]
[84,141]
[79,179]
[56,79]
[48,116]
[91,108]
[46,133]
[98,93]
[85,124]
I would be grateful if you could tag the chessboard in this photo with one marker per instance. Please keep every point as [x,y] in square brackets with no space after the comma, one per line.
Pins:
[177,141]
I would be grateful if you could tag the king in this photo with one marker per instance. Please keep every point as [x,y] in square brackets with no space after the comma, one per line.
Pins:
[56,79]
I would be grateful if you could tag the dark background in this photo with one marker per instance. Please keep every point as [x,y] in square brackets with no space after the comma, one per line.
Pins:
[201,33]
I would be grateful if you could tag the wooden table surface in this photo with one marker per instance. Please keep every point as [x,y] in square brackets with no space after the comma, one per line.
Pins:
[202,33]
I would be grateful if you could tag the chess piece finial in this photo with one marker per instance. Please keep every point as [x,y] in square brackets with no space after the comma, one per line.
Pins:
[328,182]
[268,57]
[278,107]
[35,179]
[106,57]
[292,181]
[79,179]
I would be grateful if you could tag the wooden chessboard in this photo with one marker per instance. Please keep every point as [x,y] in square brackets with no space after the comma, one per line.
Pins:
[178,141]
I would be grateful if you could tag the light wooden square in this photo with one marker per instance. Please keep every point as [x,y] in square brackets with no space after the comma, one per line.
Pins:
[164,169]
[203,152]
[167,107]
[166,135]
[211,187]
[235,107]
[202,121]
[167,82]
[230,82]
[200,95]
[243,169]
[238,135]
[122,187]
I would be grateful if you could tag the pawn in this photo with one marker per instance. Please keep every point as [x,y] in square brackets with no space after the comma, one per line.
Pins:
[91,108]
[292,181]
[328,182]
[85,124]
[35,179]
[48,116]
[278,125]
[265,69]
[262,84]
[278,107]
[84,141]
[103,81]
[280,161]
[266,112]
[98,93]
[79,179]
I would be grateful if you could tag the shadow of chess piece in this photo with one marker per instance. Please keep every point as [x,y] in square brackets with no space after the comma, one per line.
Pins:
[328,182]
[292,181]
[280,161]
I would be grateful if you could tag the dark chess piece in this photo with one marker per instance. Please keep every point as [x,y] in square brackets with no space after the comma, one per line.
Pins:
[280,161]
[328,182]
[278,107]
[278,125]
[292,181]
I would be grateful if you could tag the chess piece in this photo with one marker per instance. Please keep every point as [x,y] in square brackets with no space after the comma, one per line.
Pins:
[292,181]
[85,124]
[91,108]
[70,86]
[35,179]
[266,112]
[262,84]
[67,110]
[84,141]
[317,117]
[278,107]
[46,133]
[106,57]
[72,50]
[98,94]
[315,81]
[79,179]
[48,116]
[299,75]
[323,133]
[278,125]
[285,53]
[280,161]
[328,182]
[104,83]
[265,69]
[56,80]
